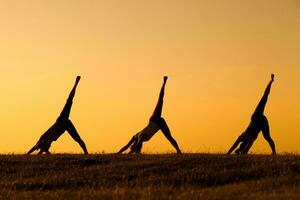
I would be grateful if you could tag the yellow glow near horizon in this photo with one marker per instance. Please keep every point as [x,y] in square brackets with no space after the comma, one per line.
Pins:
[218,55]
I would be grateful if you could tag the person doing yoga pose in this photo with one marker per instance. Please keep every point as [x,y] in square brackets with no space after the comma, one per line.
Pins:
[62,124]
[156,123]
[259,122]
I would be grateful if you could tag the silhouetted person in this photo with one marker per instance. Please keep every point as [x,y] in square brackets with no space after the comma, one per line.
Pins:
[259,122]
[156,123]
[62,124]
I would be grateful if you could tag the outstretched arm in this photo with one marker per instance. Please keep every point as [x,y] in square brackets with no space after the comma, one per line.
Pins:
[236,143]
[248,145]
[43,145]
[67,108]
[262,103]
[127,145]
[137,146]
[245,146]
[158,109]
[32,149]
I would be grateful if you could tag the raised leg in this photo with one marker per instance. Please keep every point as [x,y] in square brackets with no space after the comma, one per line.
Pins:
[74,134]
[167,133]
[67,108]
[158,109]
[262,103]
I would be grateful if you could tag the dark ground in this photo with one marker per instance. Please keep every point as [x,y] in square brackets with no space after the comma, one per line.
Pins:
[168,176]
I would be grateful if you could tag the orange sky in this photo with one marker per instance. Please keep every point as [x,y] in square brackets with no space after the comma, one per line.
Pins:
[218,54]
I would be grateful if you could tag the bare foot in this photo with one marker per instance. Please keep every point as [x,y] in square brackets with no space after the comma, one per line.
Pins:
[165,78]
[78,79]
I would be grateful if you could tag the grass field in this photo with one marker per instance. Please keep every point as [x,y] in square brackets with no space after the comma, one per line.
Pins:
[189,176]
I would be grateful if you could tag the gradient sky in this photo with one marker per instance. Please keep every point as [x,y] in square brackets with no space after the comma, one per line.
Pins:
[218,55]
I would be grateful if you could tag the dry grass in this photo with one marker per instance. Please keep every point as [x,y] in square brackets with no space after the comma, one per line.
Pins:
[190,176]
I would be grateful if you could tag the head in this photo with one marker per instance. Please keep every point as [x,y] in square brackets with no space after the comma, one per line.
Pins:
[45,145]
[136,147]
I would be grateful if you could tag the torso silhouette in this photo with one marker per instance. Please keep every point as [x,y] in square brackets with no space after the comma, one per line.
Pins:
[256,125]
[56,130]
[147,133]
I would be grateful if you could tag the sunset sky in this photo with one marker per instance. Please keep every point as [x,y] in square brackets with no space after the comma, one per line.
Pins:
[218,54]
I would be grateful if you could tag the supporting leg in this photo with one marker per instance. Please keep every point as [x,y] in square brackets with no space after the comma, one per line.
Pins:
[266,134]
[167,133]
[74,134]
